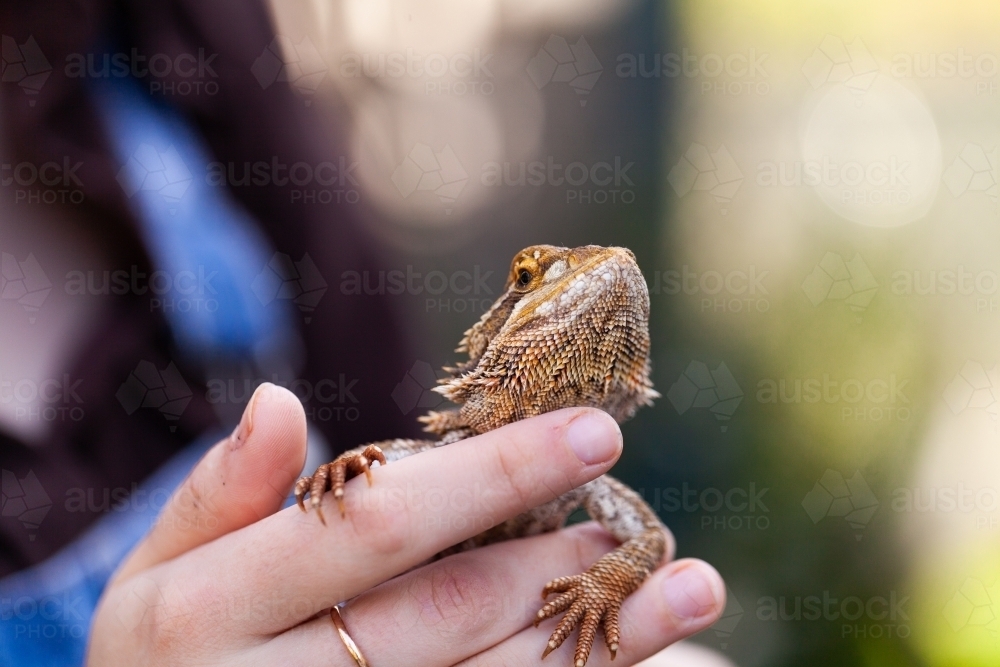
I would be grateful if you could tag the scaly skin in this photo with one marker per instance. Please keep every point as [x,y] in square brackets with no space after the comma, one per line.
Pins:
[571,329]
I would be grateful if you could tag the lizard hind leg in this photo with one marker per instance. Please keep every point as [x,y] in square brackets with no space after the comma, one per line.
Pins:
[593,599]
[612,633]
[557,606]
[576,611]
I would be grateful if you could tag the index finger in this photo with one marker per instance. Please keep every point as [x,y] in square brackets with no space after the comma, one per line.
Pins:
[290,566]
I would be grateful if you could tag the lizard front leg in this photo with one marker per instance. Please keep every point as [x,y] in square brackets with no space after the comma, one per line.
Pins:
[594,598]
[333,475]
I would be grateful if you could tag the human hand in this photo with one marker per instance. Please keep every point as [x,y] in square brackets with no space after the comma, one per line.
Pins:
[226,578]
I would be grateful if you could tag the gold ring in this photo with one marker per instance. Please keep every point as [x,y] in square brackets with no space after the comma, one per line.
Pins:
[352,648]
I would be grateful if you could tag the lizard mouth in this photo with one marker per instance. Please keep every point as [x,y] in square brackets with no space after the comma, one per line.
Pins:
[586,261]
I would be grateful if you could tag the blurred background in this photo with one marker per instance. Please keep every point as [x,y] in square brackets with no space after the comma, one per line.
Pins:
[811,190]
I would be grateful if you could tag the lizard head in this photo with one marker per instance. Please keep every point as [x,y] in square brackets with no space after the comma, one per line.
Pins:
[570,329]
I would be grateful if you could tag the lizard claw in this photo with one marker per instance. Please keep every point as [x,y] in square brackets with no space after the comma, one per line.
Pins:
[590,600]
[333,476]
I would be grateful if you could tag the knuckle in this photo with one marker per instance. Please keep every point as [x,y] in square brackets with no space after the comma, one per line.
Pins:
[165,632]
[458,600]
[514,473]
[379,529]
[162,617]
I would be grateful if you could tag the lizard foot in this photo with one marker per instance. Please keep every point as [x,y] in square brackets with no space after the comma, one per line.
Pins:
[333,475]
[590,600]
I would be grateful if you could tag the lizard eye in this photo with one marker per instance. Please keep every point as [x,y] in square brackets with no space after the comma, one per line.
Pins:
[523,278]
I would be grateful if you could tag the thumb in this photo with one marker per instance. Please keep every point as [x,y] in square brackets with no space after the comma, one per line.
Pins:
[242,479]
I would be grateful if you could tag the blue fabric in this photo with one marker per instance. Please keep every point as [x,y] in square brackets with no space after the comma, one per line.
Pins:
[45,611]
[190,225]
[191,229]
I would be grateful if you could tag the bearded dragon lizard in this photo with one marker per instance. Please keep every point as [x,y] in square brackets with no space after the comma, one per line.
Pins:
[570,329]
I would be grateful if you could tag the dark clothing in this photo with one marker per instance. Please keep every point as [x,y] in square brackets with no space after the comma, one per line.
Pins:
[352,337]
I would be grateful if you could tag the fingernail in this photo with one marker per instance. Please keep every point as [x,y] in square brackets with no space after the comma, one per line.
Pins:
[245,427]
[690,594]
[594,438]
